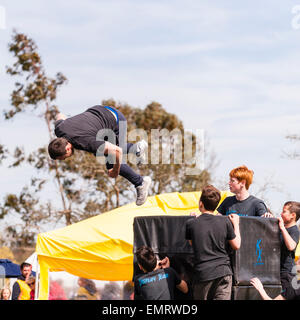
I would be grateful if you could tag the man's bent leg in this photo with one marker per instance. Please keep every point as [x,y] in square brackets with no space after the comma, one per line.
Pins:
[141,184]
[128,173]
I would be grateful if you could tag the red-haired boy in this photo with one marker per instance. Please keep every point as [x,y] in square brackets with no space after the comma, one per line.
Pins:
[242,203]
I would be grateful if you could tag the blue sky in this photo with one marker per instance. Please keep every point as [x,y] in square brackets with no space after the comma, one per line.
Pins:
[229,67]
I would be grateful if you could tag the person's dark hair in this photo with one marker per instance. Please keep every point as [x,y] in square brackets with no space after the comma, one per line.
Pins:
[146,258]
[57,148]
[89,285]
[210,197]
[24,264]
[293,206]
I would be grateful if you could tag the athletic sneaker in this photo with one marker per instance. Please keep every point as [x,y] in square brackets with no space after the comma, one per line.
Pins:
[142,191]
[141,148]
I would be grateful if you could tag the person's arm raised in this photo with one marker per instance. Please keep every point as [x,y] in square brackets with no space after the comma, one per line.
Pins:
[182,286]
[236,242]
[288,240]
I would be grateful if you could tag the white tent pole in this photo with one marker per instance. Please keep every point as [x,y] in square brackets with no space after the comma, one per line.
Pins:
[37,279]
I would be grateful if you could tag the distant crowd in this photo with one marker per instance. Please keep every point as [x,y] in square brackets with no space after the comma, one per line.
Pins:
[25,286]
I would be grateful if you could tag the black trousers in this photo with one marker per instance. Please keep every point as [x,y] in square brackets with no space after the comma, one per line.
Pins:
[216,289]
[125,171]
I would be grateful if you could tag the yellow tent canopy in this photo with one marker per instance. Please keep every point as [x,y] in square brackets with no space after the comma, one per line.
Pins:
[101,247]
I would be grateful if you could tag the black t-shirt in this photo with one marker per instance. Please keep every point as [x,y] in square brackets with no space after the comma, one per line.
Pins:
[251,206]
[210,235]
[291,293]
[290,287]
[156,285]
[81,130]
[287,258]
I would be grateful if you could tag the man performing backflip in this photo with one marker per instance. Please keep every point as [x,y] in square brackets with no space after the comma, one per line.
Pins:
[101,130]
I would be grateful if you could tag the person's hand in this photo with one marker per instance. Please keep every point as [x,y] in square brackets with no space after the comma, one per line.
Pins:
[257,284]
[194,214]
[268,215]
[113,173]
[234,218]
[281,223]
[164,263]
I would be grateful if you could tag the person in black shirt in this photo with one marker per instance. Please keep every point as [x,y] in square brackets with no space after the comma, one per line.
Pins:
[101,130]
[289,238]
[209,236]
[159,280]
[242,203]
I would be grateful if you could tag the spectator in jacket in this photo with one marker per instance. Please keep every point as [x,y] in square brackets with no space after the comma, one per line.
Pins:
[21,290]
